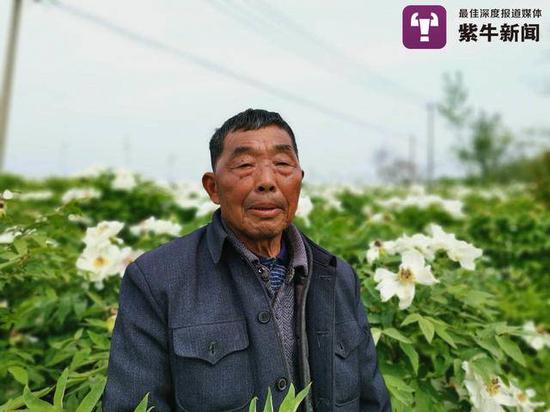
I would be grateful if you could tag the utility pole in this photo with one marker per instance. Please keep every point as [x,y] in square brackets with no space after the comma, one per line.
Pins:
[430,146]
[412,157]
[8,76]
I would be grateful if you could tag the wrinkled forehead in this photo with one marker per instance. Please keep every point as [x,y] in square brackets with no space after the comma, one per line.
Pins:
[270,139]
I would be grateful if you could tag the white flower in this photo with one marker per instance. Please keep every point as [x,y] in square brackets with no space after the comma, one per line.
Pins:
[457,250]
[366,210]
[188,194]
[7,194]
[127,256]
[422,243]
[305,206]
[464,253]
[92,171]
[377,218]
[52,242]
[418,242]
[377,248]
[100,261]
[156,226]
[417,190]
[486,396]
[523,399]
[206,208]
[80,194]
[330,196]
[453,207]
[3,303]
[9,235]
[124,180]
[102,232]
[402,283]
[373,253]
[423,201]
[36,195]
[535,337]
[79,219]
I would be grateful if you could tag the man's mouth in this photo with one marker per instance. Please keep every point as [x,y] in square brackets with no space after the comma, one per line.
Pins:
[265,210]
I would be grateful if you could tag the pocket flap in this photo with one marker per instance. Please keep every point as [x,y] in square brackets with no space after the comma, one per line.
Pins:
[348,336]
[210,342]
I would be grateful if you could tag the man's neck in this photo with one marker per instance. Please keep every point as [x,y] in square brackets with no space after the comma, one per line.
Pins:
[269,247]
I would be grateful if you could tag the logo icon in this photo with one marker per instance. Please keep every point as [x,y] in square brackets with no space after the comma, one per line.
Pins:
[424,27]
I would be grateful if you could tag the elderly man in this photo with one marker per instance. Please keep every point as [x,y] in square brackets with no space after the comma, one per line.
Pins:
[246,303]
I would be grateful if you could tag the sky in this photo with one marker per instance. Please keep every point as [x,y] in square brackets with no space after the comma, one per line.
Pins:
[143,84]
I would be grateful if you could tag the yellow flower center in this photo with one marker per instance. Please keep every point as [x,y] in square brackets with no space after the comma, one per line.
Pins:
[100,261]
[522,396]
[493,387]
[406,275]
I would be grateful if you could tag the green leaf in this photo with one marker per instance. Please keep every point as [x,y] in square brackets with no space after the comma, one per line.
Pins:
[99,340]
[60,389]
[427,329]
[20,245]
[142,406]
[490,345]
[39,239]
[375,332]
[398,383]
[268,407]
[78,334]
[96,298]
[441,331]
[91,399]
[399,389]
[17,403]
[302,395]
[412,354]
[253,402]
[422,401]
[288,401]
[413,317]
[34,404]
[20,374]
[395,334]
[291,402]
[511,349]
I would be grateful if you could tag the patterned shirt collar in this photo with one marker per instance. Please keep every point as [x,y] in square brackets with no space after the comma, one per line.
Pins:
[295,248]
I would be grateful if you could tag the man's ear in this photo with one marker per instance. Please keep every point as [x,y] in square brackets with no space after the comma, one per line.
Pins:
[209,184]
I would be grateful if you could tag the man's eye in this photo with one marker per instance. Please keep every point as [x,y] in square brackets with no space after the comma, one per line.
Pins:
[245,165]
[283,163]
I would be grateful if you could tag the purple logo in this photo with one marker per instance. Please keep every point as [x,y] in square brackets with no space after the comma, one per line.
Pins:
[424,27]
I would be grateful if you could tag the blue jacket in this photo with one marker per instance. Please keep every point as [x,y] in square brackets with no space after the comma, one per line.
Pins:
[195,330]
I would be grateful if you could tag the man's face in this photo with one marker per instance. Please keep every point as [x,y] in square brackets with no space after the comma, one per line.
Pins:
[257,182]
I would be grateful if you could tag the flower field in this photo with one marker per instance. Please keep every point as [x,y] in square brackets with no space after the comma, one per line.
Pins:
[455,282]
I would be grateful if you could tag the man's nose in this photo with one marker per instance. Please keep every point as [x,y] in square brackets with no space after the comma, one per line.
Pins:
[266,179]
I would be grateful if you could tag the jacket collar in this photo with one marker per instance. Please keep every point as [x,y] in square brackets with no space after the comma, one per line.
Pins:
[216,235]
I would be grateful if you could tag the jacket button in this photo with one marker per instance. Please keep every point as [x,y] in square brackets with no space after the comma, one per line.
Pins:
[264,316]
[212,347]
[281,384]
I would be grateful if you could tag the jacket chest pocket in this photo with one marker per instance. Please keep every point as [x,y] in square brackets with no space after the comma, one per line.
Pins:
[347,371]
[211,367]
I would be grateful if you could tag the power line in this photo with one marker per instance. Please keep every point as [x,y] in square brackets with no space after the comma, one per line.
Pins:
[221,70]
[270,11]
[266,28]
